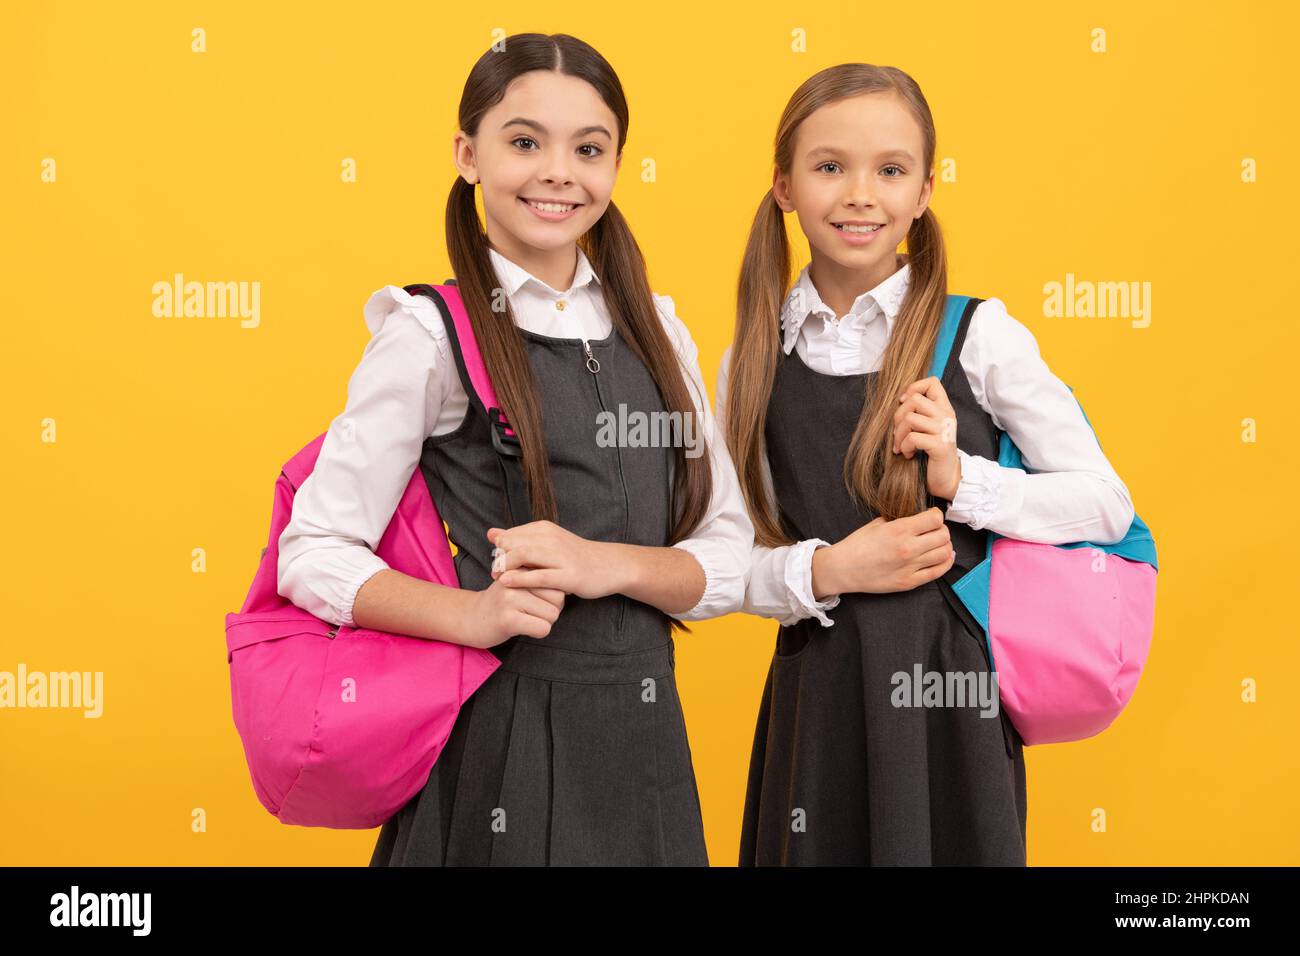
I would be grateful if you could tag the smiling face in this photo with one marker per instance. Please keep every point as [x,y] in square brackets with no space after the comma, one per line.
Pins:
[546,158]
[857,181]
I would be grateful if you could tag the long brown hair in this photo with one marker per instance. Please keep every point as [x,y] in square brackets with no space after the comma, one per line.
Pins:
[888,484]
[615,257]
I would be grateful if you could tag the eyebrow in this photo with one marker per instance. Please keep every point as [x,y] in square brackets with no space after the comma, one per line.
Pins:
[888,154]
[534,125]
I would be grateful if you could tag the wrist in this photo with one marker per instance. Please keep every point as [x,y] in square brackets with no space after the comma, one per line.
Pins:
[949,491]
[617,567]
[825,572]
[467,617]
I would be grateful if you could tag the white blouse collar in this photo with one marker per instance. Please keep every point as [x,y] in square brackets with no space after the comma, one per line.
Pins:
[803,301]
[513,276]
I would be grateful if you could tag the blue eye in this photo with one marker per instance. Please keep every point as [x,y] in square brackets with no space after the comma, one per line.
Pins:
[824,165]
[899,168]
[526,139]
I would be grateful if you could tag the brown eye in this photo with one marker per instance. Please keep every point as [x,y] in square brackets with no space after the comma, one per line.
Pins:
[523,139]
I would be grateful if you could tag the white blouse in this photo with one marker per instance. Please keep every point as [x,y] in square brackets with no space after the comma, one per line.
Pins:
[1073,495]
[406,388]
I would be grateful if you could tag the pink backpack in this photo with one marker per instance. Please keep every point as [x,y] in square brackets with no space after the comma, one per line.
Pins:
[1068,626]
[341,726]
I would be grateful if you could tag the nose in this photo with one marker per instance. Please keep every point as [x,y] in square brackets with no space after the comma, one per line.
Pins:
[555,171]
[860,193]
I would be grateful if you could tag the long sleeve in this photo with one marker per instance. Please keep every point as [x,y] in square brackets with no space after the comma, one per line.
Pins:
[780,579]
[1068,490]
[367,458]
[722,541]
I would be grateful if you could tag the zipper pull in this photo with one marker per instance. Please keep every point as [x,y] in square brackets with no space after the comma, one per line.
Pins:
[592,365]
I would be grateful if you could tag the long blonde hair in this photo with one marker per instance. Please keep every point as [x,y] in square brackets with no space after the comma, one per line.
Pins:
[889,485]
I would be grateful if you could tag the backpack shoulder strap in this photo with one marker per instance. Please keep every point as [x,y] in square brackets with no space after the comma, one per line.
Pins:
[469,361]
[957,311]
[478,386]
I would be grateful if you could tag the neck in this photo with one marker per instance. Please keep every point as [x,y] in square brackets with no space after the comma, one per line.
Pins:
[839,286]
[556,267]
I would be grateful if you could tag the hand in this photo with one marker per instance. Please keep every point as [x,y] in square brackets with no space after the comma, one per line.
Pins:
[498,613]
[884,556]
[925,421]
[541,554]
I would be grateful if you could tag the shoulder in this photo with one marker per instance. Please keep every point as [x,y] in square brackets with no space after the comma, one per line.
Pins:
[394,309]
[995,335]
[678,334]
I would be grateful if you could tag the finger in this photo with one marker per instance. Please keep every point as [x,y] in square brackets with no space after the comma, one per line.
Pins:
[916,422]
[930,540]
[510,538]
[522,555]
[530,603]
[555,596]
[528,625]
[933,556]
[531,577]
[932,573]
[917,441]
[925,386]
[918,403]
[922,521]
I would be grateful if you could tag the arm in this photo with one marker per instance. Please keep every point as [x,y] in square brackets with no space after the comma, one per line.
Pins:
[787,583]
[1073,493]
[722,542]
[327,563]
[699,577]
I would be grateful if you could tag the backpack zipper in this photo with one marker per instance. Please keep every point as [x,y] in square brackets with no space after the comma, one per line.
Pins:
[593,366]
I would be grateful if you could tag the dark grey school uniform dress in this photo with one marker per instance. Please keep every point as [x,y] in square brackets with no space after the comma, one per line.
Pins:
[574,751]
[838,775]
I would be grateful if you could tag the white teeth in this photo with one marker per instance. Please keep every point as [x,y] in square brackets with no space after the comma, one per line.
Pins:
[845,227]
[550,206]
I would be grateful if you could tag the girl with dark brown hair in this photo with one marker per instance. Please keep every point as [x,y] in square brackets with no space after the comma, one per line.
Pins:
[574,751]
[845,449]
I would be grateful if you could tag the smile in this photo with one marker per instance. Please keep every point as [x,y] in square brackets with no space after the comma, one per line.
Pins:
[550,210]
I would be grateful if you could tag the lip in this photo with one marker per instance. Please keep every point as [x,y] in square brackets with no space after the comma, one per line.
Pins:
[858,238]
[549,216]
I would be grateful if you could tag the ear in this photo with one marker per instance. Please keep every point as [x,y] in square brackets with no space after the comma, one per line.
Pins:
[781,190]
[618,163]
[462,154]
[923,201]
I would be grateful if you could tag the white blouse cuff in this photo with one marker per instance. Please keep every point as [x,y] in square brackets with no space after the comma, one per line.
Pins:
[978,492]
[349,595]
[798,580]
[724,582]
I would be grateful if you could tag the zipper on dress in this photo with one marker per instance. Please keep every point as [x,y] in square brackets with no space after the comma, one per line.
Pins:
[593,366]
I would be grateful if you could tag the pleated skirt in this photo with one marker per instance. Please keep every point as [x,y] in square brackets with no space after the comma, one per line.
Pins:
[561,758]
[839,775]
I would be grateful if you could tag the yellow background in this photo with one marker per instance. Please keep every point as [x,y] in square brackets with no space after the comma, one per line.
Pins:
[225,165]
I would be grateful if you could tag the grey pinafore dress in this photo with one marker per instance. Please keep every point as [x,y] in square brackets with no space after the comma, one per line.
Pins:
[838,775]
[574,751]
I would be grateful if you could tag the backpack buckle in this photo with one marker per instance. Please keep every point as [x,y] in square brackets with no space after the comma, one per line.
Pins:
[503,443]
